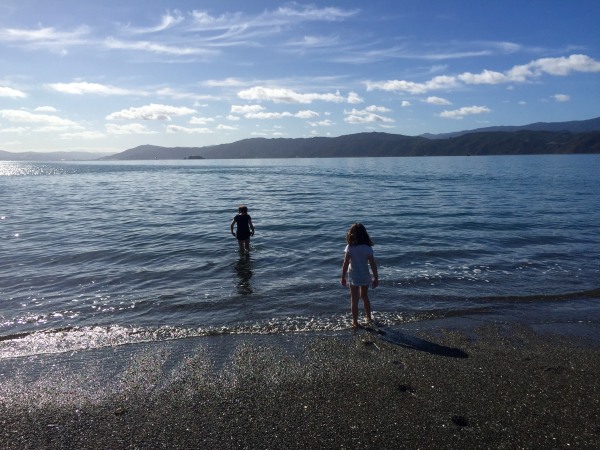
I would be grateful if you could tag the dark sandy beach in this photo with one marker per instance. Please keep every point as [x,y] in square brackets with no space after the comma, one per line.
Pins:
[454,384]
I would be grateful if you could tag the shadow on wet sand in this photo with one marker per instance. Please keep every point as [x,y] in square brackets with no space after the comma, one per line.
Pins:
[396,337]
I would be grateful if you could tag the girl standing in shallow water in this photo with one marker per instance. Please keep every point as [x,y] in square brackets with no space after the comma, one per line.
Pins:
[358,257]
[245,228]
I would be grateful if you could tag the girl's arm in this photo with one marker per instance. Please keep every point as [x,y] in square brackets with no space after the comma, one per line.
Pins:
[251,227]
[373,265]
[232,224]
[345,268]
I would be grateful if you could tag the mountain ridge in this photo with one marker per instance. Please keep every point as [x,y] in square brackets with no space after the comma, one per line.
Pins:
[574,126]
[377,144]
[582,136]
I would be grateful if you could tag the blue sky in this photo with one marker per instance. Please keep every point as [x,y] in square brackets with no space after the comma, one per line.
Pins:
[109,75]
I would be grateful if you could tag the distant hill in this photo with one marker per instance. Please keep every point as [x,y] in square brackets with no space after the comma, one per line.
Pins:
[581,136]
[50,156]
[381,144]
[575,126]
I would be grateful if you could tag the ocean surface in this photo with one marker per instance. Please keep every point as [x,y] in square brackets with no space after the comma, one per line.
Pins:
[101,254]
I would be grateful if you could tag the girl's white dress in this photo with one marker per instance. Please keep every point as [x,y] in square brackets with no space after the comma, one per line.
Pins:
[359,264]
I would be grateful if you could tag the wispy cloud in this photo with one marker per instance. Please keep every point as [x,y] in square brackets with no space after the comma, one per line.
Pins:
[292,14]
[46,38]
[168,20]
[159,48]
[43,35]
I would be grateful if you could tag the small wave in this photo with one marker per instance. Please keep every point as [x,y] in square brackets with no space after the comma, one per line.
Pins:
[591,294]
[71,339]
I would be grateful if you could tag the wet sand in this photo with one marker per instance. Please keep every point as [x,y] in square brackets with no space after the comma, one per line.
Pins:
[453,384]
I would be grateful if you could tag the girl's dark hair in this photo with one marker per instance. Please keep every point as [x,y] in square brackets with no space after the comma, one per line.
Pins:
[357,235]
[243,209]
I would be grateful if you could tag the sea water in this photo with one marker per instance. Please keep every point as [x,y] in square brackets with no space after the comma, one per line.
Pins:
[105,253]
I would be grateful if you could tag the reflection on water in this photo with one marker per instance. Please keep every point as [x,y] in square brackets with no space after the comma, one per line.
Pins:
[243,269]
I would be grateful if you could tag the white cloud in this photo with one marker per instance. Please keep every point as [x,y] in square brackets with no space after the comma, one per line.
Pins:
[517,74]
[178,95]
[227,82]
[437,101]
[485,77]
[322,123]
[367,115]
[201,120]
[268,115]
[18,116]
[354,98]
[405,104]
[246,109]
[380,109]
[45,109]
[172,129]
[282,95]
[564,66]
[131,128]
[465,111]
[15,130]
[522,73]
[87,135]
[441,82]
[307,114]
[80,88]
[561,97]
[151,112]
[11,93]
[225,127]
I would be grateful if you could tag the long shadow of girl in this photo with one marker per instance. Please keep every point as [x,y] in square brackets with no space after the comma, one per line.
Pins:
[405,340]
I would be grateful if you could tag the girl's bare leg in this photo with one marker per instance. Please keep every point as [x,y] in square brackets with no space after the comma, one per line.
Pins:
[247,245]
[364,293]
[354,296]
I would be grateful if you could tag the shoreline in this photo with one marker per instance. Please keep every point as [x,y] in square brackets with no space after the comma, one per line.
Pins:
[451,383]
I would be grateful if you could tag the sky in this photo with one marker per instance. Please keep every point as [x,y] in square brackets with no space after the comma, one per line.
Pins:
[107,75]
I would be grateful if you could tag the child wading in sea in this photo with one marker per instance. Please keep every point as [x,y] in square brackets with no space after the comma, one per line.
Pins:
[245,229]
[358,256]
